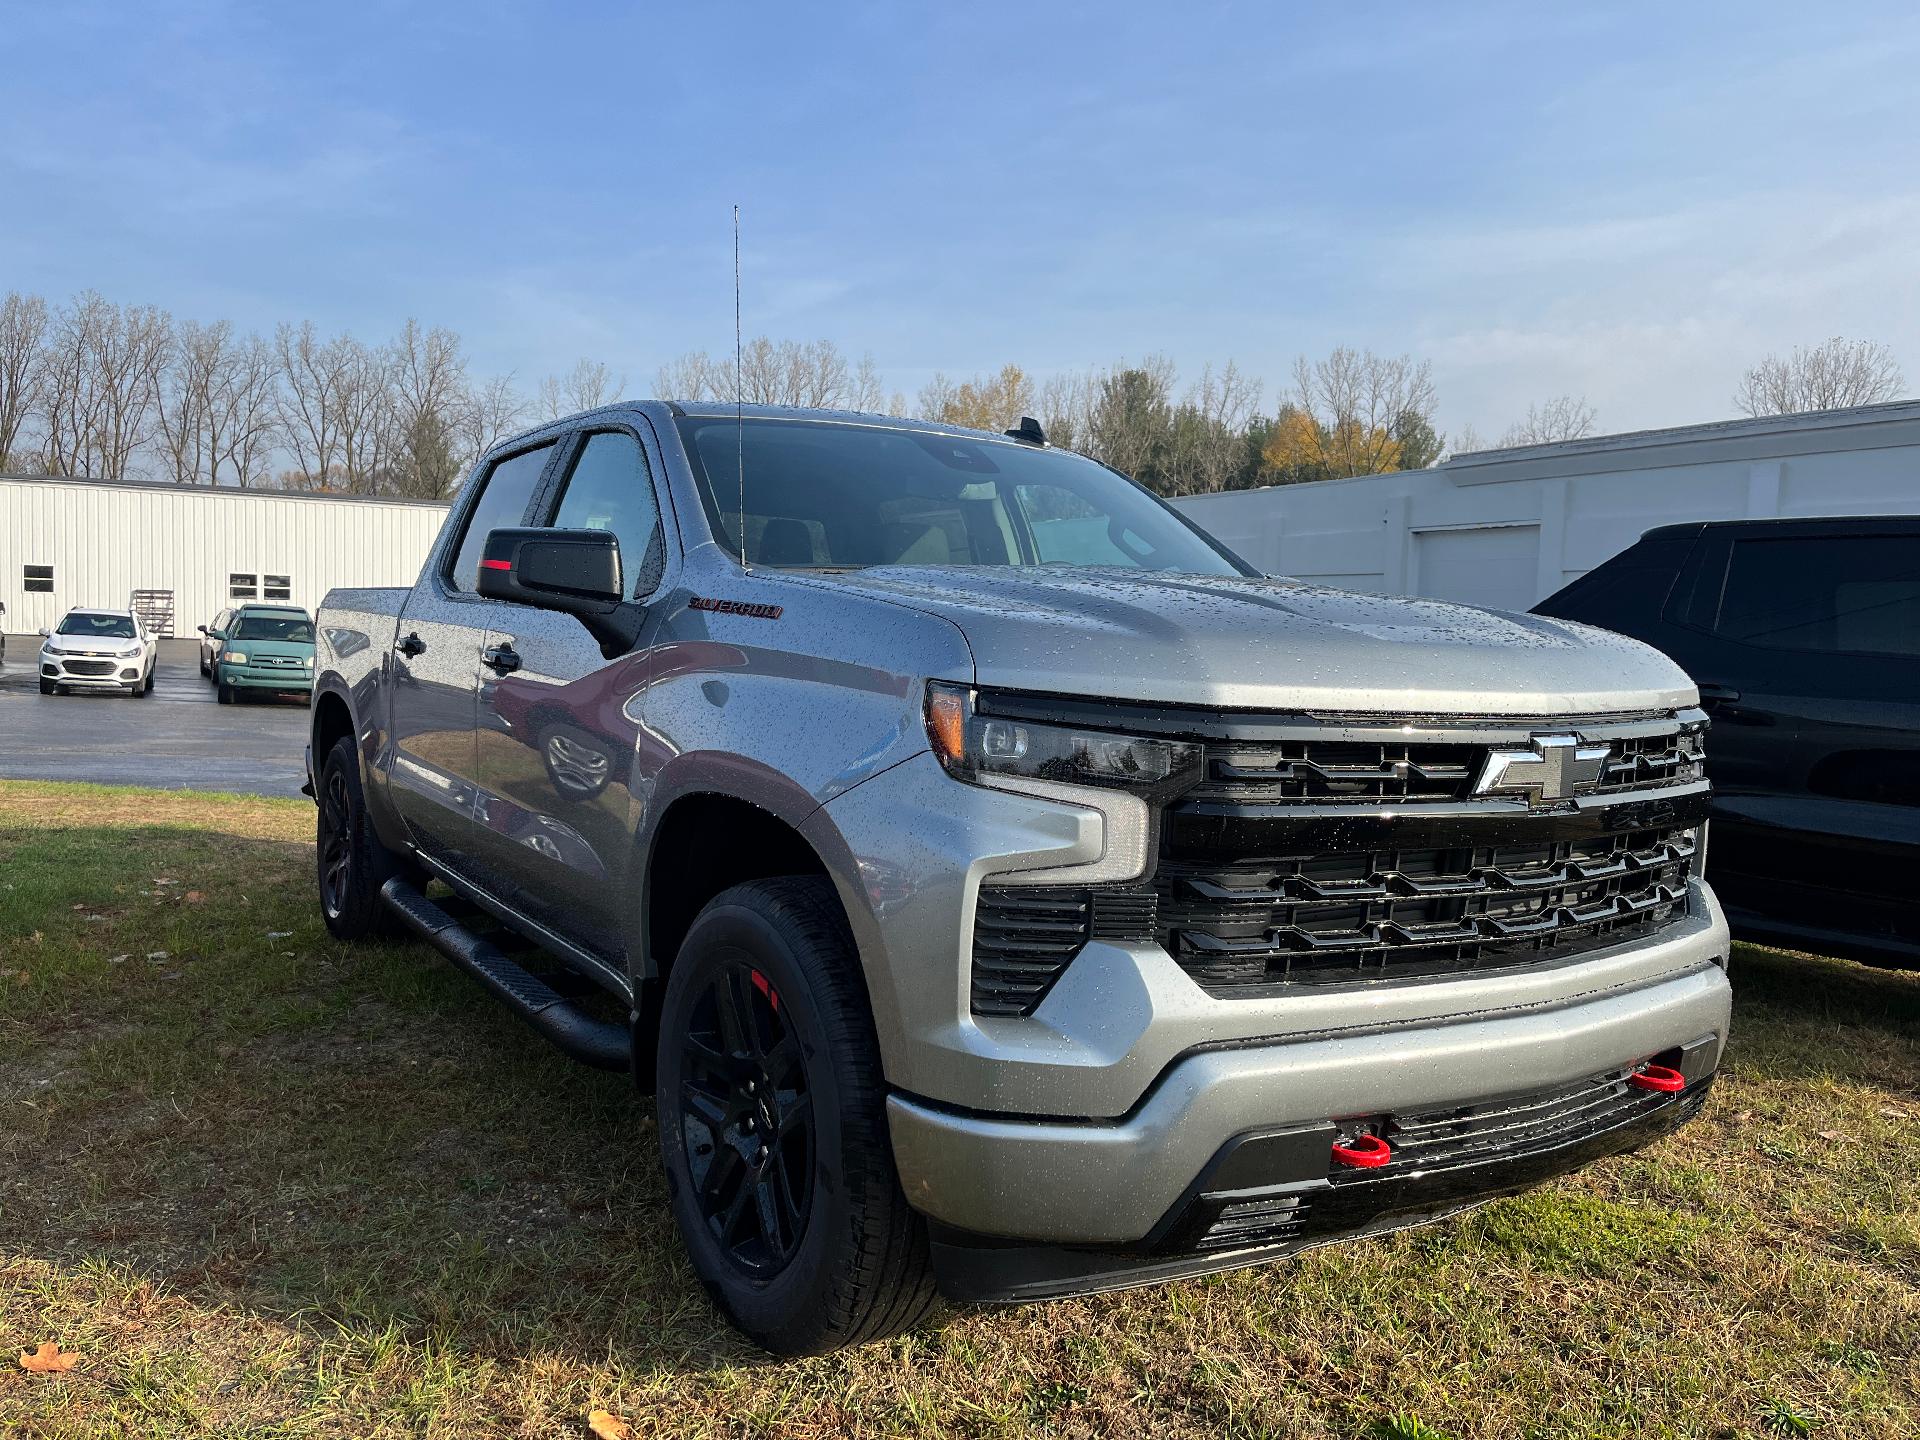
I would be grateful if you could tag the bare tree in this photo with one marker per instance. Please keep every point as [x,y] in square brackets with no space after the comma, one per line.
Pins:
[364,418]
[587,386]
[190,409]
[23,333]
[494,411]
[308,400]
[868,393]
[102,383]
[1361,401]
[1131,416]
[428,379]
[1209,440]
[252,420]
[788,373]
[1565,417]
[1465,442]
[1066,409]
[1827,377]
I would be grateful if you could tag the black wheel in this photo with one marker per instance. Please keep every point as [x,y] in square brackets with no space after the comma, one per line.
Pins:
[773,1126]
[145,687]
[47,687]
[351,861]
[227,693]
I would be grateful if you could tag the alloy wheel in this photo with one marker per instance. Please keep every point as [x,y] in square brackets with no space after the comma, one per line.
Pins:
[746,1119]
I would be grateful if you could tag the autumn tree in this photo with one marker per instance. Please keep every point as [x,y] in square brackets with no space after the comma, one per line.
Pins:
[1363,406]
[1826,377]
[986,402]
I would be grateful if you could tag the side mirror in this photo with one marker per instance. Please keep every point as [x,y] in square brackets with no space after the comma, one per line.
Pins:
[44,631]
[576,572]
[201,628]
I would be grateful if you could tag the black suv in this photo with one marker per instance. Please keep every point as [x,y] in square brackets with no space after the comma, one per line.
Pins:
[1804,637]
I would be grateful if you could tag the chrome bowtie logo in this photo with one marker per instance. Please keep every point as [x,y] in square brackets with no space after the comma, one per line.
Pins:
[1550,771]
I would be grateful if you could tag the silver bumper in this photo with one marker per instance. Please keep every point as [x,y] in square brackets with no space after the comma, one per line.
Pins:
[1092,1182]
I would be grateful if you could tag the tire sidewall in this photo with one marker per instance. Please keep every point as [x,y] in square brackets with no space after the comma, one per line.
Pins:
[730,931]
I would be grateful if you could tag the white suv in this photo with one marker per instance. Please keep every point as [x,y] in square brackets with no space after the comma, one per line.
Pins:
[97,650]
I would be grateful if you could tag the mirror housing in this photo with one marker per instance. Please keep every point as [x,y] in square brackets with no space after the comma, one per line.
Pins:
[576,572]
[201,628]
[45,632]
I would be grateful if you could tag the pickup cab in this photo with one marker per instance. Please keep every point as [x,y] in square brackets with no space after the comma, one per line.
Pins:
[1002,890]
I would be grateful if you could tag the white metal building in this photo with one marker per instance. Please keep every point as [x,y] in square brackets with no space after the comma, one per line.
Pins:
[1507,528]
[94,542]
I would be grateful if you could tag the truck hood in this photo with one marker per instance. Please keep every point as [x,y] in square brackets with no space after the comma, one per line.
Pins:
[1274,644]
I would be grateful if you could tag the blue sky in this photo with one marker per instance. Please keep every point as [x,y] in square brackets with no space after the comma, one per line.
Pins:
[1625,202]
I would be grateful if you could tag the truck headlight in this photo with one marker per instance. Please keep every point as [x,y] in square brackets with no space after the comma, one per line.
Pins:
[971,746]
[234,657]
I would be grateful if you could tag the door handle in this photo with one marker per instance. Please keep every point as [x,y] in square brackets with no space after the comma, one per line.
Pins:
[1717,694]
[411,646]
[500,657]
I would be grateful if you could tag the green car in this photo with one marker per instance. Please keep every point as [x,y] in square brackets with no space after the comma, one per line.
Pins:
[267,647]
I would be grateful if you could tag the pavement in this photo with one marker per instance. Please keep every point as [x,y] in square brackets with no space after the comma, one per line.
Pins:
[177,738]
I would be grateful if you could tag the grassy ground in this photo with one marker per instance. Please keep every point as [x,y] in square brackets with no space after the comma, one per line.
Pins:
[268,1185]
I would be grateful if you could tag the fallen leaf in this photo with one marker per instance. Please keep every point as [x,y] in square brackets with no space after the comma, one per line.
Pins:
[1893,1114]
[22,978]
[604,1423]
[278,934]
[48,1360]
[156,955]
[162,880]
[1833,1135]
[193,897]
[118,959]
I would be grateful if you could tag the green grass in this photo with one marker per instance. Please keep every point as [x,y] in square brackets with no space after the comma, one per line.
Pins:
[268,1185]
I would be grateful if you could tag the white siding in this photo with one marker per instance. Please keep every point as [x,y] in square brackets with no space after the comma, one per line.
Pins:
[1565,508]
[105,541]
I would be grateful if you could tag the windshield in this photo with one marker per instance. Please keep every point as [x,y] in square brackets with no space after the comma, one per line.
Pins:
[294,629]
[828,495]
[98,627]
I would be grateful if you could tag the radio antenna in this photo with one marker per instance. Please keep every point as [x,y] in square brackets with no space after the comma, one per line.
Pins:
[739,396]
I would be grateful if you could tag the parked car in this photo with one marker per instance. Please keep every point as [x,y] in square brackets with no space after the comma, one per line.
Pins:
[267,648]
[213,639]
[1005,891]
[3,633]
[97,650]
[1804,638]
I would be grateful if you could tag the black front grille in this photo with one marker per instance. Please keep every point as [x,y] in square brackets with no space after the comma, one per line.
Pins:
[90,667]
[1405,912]
[1328,849]
[1400,769]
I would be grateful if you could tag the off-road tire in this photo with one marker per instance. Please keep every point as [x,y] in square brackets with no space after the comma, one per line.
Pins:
[860,1269]
[350,902]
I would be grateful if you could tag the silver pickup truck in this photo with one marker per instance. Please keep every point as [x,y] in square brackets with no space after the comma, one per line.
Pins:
[1001,889]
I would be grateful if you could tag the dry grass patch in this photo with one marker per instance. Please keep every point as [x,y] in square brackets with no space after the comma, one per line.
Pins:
[267,1185]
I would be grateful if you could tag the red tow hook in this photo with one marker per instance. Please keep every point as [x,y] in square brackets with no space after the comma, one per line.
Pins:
[1662,1078]
[1363,1152]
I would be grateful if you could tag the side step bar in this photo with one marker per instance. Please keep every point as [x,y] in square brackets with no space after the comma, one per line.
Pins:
[605,1044]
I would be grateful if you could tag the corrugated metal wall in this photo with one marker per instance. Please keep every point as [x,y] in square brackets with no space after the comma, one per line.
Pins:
[104,541]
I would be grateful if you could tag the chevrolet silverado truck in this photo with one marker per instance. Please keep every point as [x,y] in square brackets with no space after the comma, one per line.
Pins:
[1002,890]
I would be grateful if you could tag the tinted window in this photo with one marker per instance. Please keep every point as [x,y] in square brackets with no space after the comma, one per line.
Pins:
[242,587]
[504,494]
[609,490]
[1858,594]
[839,495]
[99,627]
[37,579]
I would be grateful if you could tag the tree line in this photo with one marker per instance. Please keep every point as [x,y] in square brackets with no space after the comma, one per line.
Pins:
[94,388]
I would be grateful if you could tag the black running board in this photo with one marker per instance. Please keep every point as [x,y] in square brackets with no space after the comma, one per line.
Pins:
[605,1044]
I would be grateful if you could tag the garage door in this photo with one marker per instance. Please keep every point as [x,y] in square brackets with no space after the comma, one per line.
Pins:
[1497,566]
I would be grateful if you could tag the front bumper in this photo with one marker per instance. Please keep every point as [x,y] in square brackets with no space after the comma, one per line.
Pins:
[1116,1183]
[84,671]
[249,677]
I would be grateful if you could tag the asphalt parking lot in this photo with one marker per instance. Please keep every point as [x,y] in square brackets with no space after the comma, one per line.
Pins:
[177,738]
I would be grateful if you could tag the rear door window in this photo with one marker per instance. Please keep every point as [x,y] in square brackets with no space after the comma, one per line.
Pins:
[1841,594]
[505,492]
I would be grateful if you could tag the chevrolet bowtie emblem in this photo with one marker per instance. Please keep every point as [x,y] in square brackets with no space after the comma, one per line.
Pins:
[1550,771]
